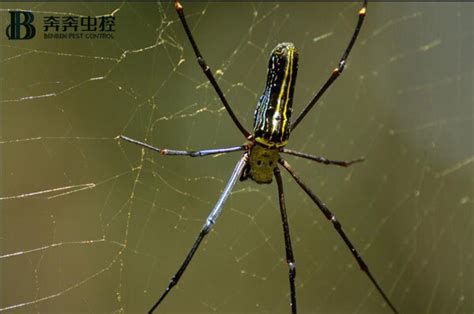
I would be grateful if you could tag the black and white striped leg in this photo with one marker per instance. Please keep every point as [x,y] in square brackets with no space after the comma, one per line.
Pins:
[330,216]
[342,163]
[207,70]
[210,221]
[286,231]
[337,71]
[190,153]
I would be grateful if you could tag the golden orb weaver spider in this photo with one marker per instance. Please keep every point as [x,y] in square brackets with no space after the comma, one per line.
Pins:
[272,127]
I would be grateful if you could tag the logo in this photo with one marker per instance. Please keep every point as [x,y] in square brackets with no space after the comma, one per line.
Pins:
[21,20]
[78,27]
[21,26]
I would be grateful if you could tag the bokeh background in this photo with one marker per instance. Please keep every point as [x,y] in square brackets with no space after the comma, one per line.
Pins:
[93,224]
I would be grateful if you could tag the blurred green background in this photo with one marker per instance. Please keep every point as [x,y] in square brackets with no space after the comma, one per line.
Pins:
[93,224]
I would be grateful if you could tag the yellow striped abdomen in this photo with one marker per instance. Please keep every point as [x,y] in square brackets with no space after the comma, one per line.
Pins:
[273,112]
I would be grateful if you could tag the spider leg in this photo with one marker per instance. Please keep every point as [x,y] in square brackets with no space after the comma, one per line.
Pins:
[330,216]
[207,70]
[337,71]
[210,221]
[289,250]
[342,163]
[190,153]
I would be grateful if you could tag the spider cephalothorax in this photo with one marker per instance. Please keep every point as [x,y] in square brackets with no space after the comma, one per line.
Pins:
[261,164]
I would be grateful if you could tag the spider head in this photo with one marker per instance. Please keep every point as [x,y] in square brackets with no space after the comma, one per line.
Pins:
[262,162]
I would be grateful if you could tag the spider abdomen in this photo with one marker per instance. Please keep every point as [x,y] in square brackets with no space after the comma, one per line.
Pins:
[273,113]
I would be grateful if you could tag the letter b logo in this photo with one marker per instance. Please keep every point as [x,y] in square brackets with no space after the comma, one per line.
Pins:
[14,29]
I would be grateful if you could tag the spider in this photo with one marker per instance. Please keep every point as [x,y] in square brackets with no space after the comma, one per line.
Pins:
[271,131]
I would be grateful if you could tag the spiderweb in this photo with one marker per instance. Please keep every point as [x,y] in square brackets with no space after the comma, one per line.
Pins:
[90,223]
